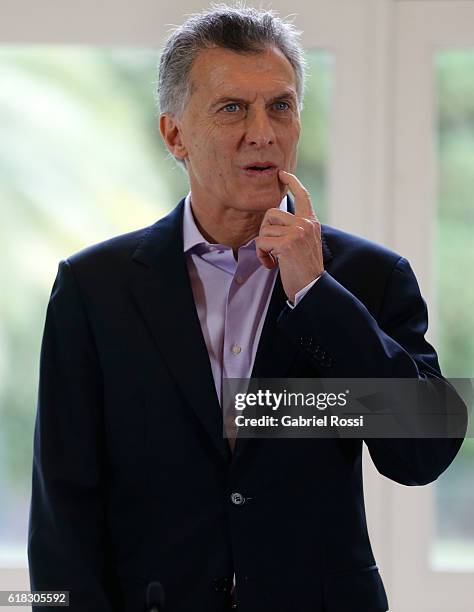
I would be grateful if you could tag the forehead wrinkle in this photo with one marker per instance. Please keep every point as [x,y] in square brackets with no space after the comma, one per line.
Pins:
[224,71]
[236,77]
[223,76]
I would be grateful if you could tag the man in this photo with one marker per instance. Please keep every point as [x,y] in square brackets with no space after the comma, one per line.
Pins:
[133,479]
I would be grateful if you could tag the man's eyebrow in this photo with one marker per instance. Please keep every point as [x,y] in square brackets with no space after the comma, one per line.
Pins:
[289,93]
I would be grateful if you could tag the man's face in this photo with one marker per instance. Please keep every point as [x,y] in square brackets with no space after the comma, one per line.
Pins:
[242,112]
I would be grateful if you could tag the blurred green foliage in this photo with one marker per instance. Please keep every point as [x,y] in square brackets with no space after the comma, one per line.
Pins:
[454,243]
[316,125]
[454,265]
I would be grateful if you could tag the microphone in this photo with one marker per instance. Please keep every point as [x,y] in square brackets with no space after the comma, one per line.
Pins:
[155,597]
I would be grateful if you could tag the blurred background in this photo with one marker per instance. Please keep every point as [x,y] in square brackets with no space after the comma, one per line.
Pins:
[387,151]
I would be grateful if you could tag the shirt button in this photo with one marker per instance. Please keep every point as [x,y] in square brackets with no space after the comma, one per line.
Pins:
[236,349]
[237,499]
[239,280]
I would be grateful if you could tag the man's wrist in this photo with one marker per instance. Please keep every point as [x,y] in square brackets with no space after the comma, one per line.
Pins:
[299,295]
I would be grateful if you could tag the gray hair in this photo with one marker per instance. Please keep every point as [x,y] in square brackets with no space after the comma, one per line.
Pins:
[240,28]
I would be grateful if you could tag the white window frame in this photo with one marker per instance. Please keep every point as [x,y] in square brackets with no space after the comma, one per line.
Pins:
[421,28]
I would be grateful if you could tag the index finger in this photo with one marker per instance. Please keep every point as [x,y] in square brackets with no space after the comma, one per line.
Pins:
[303,206]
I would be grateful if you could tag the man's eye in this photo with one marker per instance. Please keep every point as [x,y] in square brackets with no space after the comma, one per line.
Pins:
[231,108]
[282,105]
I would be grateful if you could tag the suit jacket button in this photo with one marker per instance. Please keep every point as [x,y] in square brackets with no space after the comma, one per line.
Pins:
[237,499]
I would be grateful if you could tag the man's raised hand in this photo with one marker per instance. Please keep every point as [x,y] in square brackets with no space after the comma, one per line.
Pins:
[293,242]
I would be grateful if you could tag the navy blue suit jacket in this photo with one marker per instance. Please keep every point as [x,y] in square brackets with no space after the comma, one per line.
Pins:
[132,477]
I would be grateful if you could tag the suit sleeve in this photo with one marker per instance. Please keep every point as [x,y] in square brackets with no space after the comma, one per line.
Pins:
[346,341]
[66,526]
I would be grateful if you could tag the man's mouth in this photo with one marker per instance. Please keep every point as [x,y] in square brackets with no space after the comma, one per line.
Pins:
[260,168]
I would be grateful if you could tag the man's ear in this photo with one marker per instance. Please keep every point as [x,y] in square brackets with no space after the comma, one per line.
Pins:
[171,134]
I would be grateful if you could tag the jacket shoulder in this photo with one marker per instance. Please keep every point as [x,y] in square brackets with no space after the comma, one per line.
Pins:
[363,267]
[111,252]
[341,242]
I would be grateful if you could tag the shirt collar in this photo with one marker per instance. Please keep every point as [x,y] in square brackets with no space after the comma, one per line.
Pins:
[191,234]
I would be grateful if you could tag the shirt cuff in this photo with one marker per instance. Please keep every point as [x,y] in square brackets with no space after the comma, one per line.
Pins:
[299,295]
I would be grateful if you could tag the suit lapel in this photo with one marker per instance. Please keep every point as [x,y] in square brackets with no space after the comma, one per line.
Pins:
[163,294]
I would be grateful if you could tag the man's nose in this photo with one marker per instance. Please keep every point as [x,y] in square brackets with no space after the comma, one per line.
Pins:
[259,130]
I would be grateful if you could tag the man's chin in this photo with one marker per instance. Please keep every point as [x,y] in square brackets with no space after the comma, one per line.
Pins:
[263,199]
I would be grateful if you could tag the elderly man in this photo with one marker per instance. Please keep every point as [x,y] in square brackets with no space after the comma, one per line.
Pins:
[133,479]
